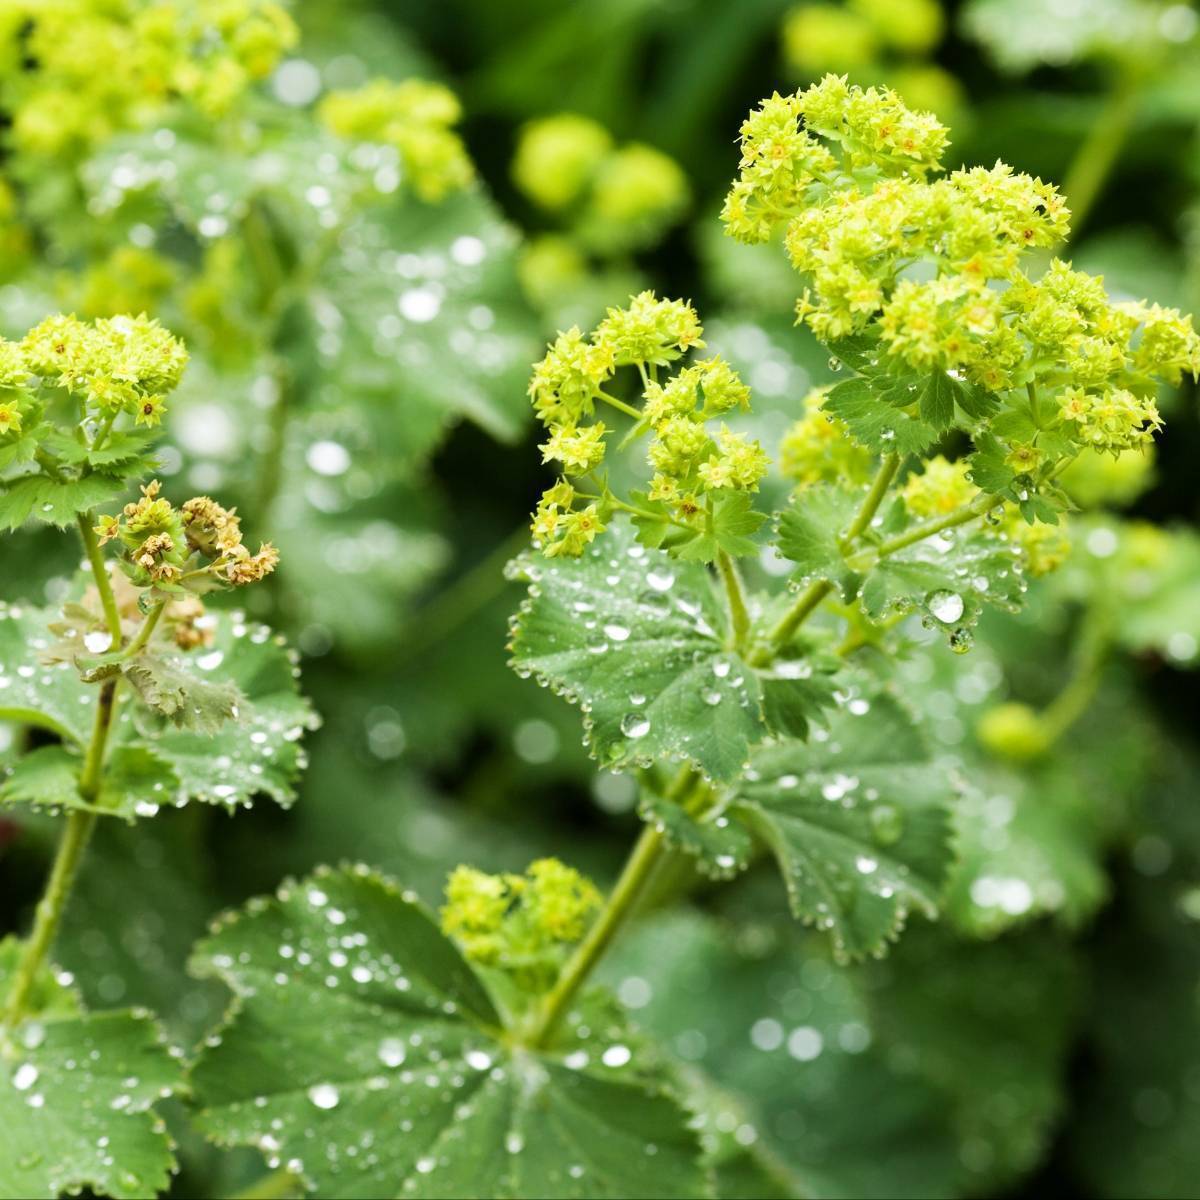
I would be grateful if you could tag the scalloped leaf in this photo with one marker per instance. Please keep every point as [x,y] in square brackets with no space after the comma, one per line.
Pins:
[810,532]
[76,1092]
[860,822]
[721,847]
[136,782]
[32,693]
[354,1017]
[52,501]
[260,751]
[166,685]
[875,421]
[949,579]
[636,639]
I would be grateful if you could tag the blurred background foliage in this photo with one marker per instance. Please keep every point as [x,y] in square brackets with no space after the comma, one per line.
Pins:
[360,355]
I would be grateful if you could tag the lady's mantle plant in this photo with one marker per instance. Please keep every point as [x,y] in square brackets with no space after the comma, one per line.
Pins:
[133,696]
[370,1051]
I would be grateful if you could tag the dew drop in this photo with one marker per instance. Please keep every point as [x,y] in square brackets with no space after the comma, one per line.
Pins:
[635,725]
[945,606]
[324,1095]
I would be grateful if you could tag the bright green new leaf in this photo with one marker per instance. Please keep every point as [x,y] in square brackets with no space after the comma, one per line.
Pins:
[949,579]
[636,639]
[859,821]
[135,783]
[356,1019]
[54,502]
[810,533]
[76,1092]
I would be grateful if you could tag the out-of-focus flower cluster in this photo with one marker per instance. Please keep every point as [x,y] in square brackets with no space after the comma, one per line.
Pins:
[691,463]
[519,923]
[417,118]
[615,198]
[74,72]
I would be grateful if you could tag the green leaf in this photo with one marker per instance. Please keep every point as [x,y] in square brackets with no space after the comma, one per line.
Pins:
[354,1013]
[936,405]
[76,1091]
[859,821]
[734,522]
[22,449]
[796,693]
[875,423]
[135,783]
[636,639]
[54,502]
[259,751]
[949,580]
[989,472]
[187,701]
[720,847]
[31,692]
[810,533]
[124,452]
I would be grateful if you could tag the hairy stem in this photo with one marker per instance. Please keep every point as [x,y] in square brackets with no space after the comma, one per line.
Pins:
[982,503]
[77,830]
[811,597]
[1072,702]
[735,593]
[641,862]
[1096,157]
[146,631]
[76,833]
[91,546]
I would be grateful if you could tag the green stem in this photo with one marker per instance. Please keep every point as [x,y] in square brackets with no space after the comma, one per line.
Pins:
[620,405]
[918,533]
[278,1185]
[93,758]
[50,909]
[870,506]
[451,608]
[1096,157]
[91,546]
[739,614]
[146,631]
[1072,702]
[811,597]
[645,857]
[271,466]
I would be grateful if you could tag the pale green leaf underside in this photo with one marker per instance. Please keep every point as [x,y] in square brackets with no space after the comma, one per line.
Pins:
[720,846]
[53,502]
[75,1095]
[810,531]
[860,822]
[135,783]
[950,579]
[257,752]
[362,1051]
[635,639]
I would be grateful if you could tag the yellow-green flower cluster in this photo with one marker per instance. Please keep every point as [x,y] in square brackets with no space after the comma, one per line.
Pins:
[941,488]
[416,118]
[115,364]
[618,197]
[155,52]
[129,279]
[520,924]
[200,540]
[818,448]
[1043,548]
[829,37]
[688,462]
[1114,420]
[937,268]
